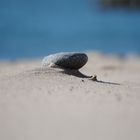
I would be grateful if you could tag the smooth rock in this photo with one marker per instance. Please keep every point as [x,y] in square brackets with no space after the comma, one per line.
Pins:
[68,60]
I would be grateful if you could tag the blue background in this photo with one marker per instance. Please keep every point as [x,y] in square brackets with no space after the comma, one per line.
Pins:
[34,28]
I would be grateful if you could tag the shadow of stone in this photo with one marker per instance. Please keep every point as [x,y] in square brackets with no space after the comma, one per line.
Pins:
[77,73]
[72,72]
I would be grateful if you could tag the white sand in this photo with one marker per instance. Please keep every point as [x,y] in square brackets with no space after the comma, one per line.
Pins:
[49,105]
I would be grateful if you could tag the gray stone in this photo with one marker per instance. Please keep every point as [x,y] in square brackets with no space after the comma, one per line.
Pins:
[68,60]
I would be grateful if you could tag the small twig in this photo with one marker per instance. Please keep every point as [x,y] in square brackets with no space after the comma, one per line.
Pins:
[94,78]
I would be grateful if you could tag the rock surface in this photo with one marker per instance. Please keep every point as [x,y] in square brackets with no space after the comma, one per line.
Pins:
[67,60]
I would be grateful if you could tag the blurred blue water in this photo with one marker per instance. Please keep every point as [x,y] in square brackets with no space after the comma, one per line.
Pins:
[34,28]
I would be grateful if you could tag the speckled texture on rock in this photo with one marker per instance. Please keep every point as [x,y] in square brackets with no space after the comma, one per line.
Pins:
[69,60]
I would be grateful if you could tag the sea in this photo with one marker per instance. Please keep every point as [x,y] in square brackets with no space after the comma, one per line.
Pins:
[36,28]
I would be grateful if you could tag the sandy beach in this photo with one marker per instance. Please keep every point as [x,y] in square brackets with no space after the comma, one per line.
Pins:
[38,104]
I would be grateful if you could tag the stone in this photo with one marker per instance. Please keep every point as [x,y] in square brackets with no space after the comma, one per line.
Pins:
[66,60]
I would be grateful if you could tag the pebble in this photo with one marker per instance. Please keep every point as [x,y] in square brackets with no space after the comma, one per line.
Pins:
[67,60]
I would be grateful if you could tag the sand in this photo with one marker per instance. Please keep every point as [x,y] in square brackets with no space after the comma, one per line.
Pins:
[38,104]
